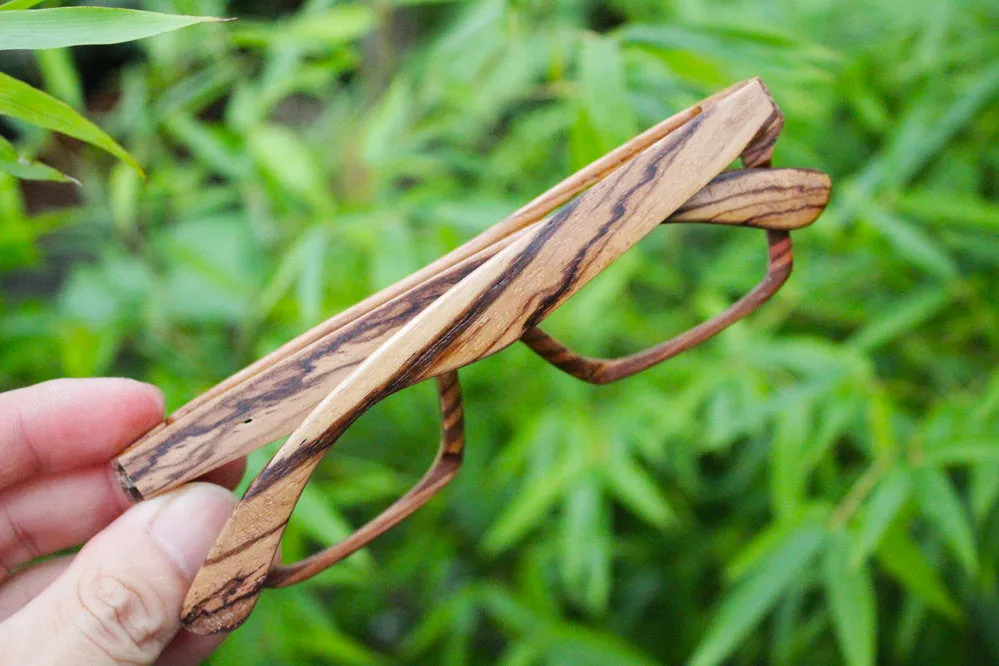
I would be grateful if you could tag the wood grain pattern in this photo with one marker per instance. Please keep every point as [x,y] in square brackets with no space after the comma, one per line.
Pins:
[491,306]
[776,199]
[269,404]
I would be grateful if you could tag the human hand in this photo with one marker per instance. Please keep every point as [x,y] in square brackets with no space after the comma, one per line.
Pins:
[118,600]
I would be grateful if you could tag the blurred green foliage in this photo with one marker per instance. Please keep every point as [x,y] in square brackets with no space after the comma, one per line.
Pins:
[819,484]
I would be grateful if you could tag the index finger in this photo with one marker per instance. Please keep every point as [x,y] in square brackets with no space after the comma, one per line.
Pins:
[70,423]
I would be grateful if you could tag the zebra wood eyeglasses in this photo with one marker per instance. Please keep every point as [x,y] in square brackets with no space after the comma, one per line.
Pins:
[473,302]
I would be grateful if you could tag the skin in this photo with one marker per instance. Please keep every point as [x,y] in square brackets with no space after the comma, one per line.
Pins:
[118,600]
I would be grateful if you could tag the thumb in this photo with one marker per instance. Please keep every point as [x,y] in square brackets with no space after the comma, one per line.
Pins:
[120,599]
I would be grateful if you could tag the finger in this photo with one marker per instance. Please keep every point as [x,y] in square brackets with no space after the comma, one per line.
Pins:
[49,513]
[27,584]
[120,599]
[228,475]
[68,423]
[187,649]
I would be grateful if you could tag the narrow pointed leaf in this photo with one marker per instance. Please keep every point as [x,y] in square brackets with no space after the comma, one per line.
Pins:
[21,101]
[25,169]
[74,26]
[912,243]
[639,492]
[527,510]
[851,602]
[744,608]
[964,452]
[317,31]
[942,507]
[914,311]
[944,208]
[983,489]
[19,4]
[885,503]
[903,561]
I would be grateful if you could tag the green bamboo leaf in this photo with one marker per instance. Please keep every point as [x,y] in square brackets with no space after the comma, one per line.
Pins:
[605,118]
[963,452]
[914,310]
[603,91]
[528,509]
[983,490]
[211,145]
[288,160]
[317,31]
[942,507]
[912,242]
[929,131]
[75,26]
[885,503]
[25,169]
[559,638]
[901,559]
[19,4]
[743,609]
[21,101]
[765,542]
[586,543]
[851,602]
[634,488]
[60,76]
[941,207]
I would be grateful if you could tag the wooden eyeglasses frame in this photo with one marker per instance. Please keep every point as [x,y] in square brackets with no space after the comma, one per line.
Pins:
[471,303]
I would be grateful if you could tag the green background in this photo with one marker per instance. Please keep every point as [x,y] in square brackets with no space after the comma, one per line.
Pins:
[816,485]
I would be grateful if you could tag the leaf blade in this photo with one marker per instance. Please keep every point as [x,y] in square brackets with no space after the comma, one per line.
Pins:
[75,26]
[21,101]
[25,169]
[903,561]
[743,609]
[942,507]
[851,602]
[885,503]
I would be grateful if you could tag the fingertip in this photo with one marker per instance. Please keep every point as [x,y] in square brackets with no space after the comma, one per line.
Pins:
[145,401]
[187,522]
[68,423]
[156,401]
[140,404]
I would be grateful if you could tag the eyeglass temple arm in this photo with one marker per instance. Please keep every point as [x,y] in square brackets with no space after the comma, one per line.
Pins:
[605,371]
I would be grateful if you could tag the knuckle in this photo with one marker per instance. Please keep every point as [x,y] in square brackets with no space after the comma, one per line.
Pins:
[125,621]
